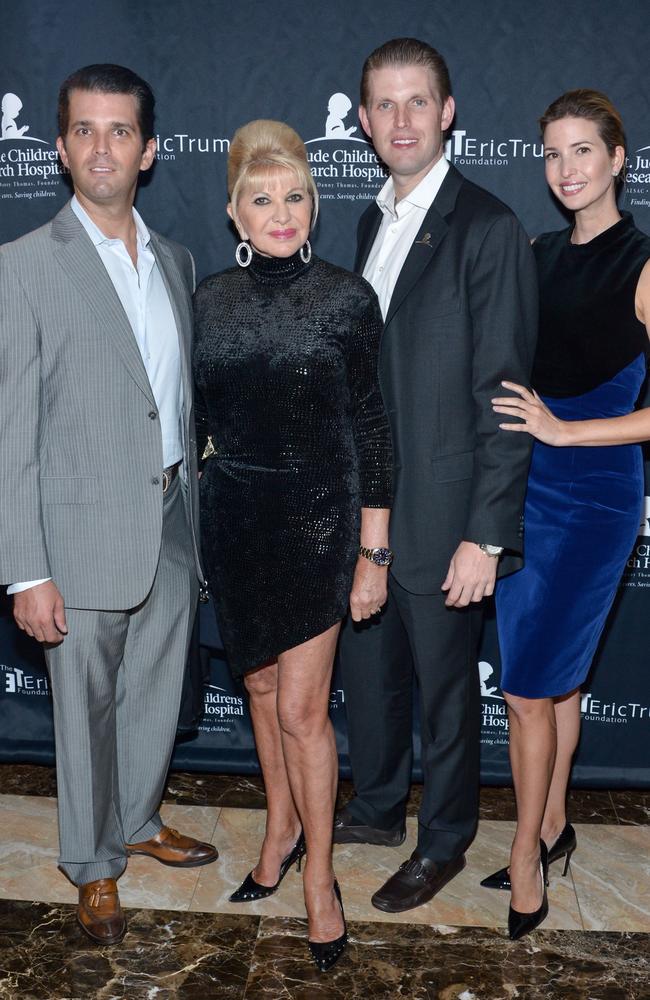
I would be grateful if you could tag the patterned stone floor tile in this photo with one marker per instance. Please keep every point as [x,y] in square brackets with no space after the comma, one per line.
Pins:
[389,961]
[611,872]
[164,956]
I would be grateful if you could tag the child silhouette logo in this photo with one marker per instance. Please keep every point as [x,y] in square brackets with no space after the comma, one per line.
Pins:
[11,108]
[338,107]
[486,670]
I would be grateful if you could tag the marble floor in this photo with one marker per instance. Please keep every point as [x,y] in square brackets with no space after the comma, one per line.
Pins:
[186,941]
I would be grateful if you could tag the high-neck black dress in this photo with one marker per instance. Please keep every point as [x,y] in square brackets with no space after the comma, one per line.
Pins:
[583,504]
[285,364]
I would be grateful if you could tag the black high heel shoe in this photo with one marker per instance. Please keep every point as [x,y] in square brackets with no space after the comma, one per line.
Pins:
[250,890]
[326,953]
[523,923]
[563,847]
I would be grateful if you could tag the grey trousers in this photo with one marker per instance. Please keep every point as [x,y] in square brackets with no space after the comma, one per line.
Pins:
[116,683]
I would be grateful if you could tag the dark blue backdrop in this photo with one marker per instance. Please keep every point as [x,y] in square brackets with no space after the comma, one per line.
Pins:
[215,65]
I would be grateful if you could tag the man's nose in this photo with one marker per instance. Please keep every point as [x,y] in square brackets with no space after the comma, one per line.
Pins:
[401,116]
[101,143]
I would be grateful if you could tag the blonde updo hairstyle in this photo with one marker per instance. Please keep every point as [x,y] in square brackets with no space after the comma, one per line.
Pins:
[259,151]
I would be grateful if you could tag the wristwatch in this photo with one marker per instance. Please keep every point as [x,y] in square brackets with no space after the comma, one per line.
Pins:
[491,550]
[380,557]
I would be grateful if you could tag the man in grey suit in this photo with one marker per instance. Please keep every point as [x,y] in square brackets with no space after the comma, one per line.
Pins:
[98,506]
[456,281]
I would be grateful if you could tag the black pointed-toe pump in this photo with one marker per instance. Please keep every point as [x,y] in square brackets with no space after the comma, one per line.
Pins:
[563,847]
[250,890]
[326,953]
[523,923]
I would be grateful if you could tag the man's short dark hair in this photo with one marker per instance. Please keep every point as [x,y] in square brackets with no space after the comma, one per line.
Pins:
[406,52]
[107,78]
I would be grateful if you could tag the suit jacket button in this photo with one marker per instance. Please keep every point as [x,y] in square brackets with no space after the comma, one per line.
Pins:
[152,414]
[155,481]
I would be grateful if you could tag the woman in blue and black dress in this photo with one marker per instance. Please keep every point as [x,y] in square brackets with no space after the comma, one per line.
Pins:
[585,487]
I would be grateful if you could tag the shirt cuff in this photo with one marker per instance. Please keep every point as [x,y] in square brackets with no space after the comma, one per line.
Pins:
[17,588]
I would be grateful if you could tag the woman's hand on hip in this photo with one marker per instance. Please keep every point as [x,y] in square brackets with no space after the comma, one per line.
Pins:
[369,589]
[535,416]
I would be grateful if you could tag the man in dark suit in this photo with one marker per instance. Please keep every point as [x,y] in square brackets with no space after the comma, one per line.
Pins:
[456,281]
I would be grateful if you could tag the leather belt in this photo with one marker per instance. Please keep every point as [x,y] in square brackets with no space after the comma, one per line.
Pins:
[169,475]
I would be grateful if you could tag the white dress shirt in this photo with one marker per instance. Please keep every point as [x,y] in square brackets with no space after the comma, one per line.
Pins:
[144,298]
[399,227]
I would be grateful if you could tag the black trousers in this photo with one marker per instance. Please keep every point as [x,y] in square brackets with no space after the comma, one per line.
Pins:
[415,633]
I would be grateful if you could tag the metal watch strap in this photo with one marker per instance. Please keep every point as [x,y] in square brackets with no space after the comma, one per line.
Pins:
[380,556]
[494,551]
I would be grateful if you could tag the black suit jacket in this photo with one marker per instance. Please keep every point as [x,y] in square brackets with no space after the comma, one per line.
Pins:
[463,316]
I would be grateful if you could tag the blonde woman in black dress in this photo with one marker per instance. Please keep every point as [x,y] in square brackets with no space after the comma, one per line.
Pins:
[295,497]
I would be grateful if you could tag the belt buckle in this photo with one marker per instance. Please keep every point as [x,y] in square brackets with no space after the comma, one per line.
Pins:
[166,479]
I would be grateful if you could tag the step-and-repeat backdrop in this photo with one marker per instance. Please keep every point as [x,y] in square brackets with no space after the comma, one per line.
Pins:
[215,65]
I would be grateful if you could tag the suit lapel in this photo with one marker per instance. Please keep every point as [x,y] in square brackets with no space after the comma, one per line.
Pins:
[420,255]
[368,229]
[429,237]
[82,264]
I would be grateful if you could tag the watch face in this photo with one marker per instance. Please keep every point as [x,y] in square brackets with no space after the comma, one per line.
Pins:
[382,557]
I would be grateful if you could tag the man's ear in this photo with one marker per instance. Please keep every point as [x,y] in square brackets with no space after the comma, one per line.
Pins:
[448,112]
[148,154]
[60,145]
[365,121]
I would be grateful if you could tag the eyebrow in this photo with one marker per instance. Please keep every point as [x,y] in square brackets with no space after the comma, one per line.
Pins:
[255,192]
[85,123]
[581,142]
[411,97]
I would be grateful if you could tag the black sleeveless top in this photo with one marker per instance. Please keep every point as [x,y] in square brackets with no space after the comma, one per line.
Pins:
[588,329]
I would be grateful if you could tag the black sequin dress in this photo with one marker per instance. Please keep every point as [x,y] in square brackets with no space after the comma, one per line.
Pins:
[285,365]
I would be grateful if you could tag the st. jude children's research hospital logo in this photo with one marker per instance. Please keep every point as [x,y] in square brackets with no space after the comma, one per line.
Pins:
[637,178]
[637,568]
[494,715]
[29,166]
[342,161]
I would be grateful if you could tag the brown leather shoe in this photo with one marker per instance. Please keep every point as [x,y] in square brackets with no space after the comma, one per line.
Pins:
[99,912]
[415,882]
[171,848]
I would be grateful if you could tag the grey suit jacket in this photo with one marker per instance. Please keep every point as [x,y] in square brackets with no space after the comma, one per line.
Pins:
[462,317]
[80,442]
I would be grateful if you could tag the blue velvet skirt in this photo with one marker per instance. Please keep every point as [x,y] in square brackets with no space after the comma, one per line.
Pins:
[581,519]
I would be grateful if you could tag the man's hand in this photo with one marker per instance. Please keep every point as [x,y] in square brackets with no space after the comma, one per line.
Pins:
[470,577]
[369,589]
[40,612]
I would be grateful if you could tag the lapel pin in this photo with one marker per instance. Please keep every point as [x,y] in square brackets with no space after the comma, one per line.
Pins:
[425,241]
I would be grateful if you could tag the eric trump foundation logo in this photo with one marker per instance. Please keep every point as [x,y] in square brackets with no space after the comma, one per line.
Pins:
[15,680]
